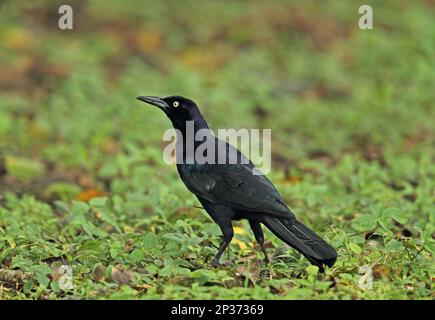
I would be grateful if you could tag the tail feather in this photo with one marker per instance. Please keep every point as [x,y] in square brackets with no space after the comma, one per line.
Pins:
[303,239]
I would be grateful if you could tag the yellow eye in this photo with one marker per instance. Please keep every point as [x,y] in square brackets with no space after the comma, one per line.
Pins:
[176,104]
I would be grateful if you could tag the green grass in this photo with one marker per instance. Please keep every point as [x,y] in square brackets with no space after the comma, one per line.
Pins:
[83,183]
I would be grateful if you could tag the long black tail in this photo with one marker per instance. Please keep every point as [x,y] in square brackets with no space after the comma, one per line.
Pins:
[300,237]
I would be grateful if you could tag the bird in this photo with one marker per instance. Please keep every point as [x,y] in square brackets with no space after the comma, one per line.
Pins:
[232,191]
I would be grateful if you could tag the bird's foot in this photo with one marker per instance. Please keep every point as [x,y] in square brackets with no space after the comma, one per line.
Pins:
[216,264]
[265,274]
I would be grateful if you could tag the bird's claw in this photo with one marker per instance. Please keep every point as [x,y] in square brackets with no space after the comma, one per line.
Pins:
[216,264]
[265,274]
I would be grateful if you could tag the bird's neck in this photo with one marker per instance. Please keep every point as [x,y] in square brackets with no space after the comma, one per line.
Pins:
[190,135]
[196,124]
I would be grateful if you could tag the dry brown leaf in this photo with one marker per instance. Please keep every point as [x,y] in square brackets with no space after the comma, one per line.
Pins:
[129,245]
[381,271]
[12,276]
[121,276]
[293,180]
[17,38]
[142,287]
[99,273]
[149,41]
[202,58]
[111,146]
[251,272]
[87,195]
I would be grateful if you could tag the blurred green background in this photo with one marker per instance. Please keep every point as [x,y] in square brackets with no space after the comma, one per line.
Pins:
[81,169]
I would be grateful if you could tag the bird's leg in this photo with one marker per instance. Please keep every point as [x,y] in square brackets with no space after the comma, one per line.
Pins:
[259,236]
[222,247]
[228,233]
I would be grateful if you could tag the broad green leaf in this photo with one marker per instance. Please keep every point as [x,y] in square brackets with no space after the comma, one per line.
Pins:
[312,270]
[174,237]
[98,201]
[364,222]
[79,208]
[24,168]
[355,248]
[150,241]
[395,213]
[137,255]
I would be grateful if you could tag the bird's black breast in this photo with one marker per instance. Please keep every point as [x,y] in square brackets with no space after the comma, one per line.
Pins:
[234,185]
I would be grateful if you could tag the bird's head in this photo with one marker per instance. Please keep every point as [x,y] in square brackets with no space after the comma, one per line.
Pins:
[177,108]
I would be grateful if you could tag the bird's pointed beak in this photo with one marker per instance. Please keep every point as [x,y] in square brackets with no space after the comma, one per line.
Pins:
[155,101]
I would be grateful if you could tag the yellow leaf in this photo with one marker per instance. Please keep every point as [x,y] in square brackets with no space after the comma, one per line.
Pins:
[24,168]
[239,230]
[128,229]
[202,58]
[149,40]
[11,242]
[241,244]
[293,180]
[17,38]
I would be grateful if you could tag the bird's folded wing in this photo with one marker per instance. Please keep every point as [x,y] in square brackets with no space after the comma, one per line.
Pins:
[235,185]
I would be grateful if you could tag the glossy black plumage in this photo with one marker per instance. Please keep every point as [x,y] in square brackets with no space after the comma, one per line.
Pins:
[231,191]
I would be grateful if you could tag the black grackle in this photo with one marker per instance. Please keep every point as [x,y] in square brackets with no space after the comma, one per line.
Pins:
[231,191]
